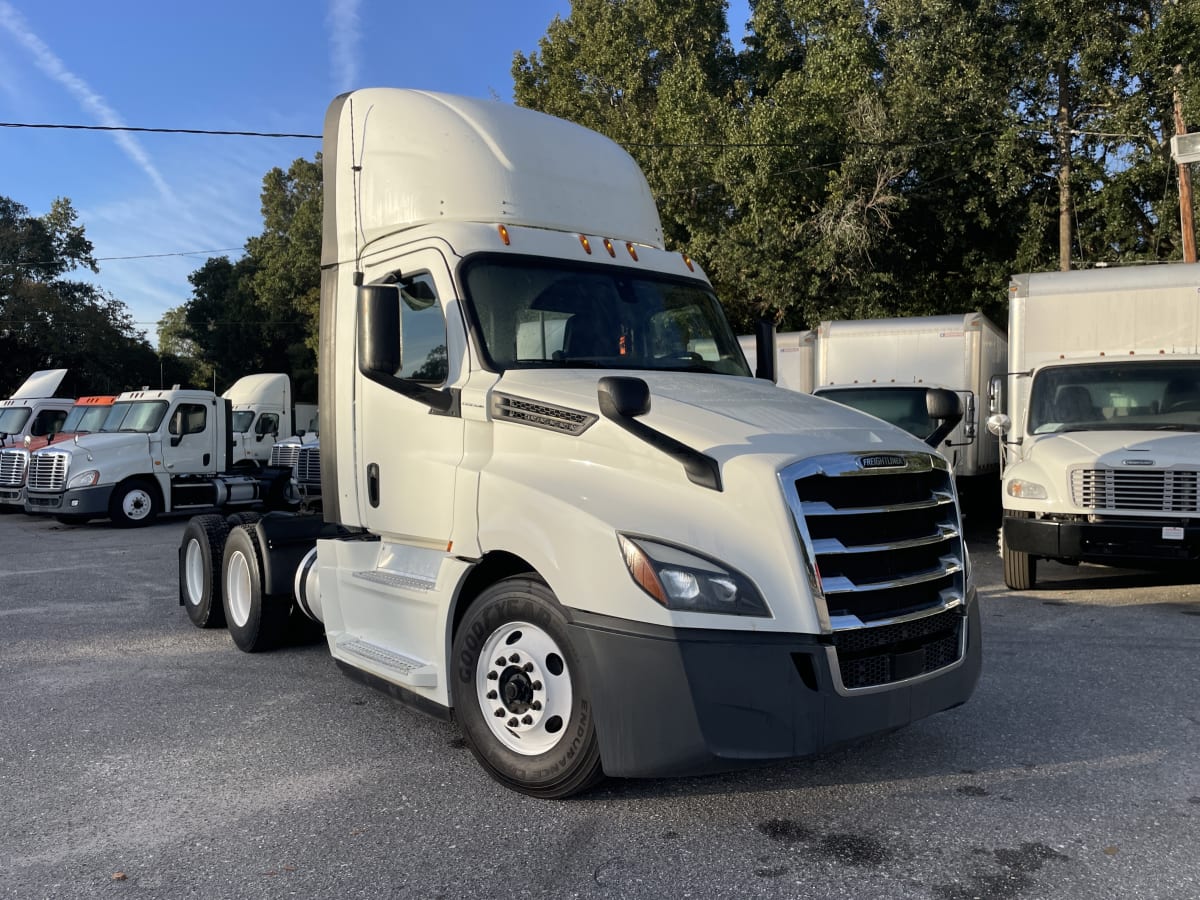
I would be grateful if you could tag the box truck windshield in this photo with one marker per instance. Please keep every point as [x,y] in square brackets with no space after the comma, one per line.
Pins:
[1116,397]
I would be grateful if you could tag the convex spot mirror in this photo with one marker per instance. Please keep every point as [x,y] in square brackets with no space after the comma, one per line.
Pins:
[999,424]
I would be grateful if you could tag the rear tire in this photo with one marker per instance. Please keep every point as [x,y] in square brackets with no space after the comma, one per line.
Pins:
[1020,569]
[242,518]
[200,554]
[520,694]
[134,503]
[256,620]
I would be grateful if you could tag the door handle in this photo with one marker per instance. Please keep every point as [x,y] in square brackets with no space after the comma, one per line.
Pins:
[373,484]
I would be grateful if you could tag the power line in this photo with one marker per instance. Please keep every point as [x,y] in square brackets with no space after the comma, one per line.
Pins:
[52,262]
[263,134]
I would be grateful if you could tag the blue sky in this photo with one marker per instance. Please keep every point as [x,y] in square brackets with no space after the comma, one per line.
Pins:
[218,65]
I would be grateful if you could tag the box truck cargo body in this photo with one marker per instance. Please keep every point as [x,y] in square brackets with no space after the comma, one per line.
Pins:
[885,366]
[1101,419]
[794,358]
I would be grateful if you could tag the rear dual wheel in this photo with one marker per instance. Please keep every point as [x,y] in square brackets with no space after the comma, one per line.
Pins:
[200,555]
[257,620]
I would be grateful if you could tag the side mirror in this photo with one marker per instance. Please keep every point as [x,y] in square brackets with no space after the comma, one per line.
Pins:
[764,365]
[996,394]
[624,397]
[379,329]
[945,407]
[999,424]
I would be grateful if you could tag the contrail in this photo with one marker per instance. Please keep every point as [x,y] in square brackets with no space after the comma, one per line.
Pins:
[49,63]
[343,20]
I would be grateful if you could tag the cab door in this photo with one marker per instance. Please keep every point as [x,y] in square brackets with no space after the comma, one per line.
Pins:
[190,444]
[410,450]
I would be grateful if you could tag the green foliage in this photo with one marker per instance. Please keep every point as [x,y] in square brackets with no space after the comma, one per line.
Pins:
[49,322]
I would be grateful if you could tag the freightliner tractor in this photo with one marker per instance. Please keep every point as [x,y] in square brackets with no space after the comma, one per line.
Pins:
[33,410]
[157,451]
[557,506]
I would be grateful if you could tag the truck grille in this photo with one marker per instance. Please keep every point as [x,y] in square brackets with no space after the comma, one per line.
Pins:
[887,560]
[285,455]
[1153,490]
[12,467]
[308,465]
[48,471]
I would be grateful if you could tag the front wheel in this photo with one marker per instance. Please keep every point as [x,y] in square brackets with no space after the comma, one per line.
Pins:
[134,503]
[1020,569]
[520,695]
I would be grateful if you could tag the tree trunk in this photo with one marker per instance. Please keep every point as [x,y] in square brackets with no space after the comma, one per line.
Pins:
[1063,140]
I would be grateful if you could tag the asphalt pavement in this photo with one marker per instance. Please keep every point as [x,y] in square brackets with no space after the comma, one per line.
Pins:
[142,757]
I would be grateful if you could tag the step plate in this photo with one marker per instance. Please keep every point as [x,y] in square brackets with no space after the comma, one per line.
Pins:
[403,669]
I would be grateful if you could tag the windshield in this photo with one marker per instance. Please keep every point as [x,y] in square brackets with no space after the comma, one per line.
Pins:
[242,420]
[902,406]
[1143,396]
[531,313]
[142,415]
[13,419]
[83,419]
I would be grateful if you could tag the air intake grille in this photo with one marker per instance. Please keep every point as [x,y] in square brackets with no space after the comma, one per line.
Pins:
[12,467]
[1155,490]
[888,562]
[541,415]
[48,471]
[285,455]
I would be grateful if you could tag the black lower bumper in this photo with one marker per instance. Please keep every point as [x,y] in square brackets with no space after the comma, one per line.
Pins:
[1116,542]
[91,501]
[681,701]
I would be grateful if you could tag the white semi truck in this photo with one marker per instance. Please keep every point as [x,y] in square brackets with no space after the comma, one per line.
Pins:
[157,451]
[886,366]
[262,411]
[1100,419]
[557,506]
[33,410]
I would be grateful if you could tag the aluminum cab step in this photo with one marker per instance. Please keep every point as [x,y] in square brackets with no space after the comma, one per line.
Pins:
[400,668]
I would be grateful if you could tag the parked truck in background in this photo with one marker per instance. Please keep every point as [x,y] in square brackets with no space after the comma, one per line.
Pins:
[886,366]
[157,451]
[795,357]
[86,416]
[1099,419]
[33,410]
[556,505]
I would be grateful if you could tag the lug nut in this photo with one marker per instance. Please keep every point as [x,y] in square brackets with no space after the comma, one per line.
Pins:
[528,720]
[492,676]
[502,662]
[491,695]
[536,705]
[528,667]
[515,658]
[513,723]
[500,714]
[537,685]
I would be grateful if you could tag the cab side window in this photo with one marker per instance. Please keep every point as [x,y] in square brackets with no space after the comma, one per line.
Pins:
[268,423]
[48,421]
[188,418]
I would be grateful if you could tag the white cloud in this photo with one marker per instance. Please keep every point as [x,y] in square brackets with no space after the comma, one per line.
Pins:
[343,21]
[52,66]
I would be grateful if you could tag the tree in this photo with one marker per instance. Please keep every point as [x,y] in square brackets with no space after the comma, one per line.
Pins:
[48,321]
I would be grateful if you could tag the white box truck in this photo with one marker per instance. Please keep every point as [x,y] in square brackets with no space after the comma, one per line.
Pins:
[557,506]
[885,366]
[794,358]
[1101,419]
[157,451]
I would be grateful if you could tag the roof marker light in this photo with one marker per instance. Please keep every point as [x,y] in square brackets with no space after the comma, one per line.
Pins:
[585,244]
[688,260]
[503,234]
[609,247]
[632,250]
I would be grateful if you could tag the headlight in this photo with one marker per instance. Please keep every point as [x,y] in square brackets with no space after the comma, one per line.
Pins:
[84,479]
[1026,490]
[685,581]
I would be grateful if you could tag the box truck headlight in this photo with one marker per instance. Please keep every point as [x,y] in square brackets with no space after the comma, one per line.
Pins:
[84,479]
[685,581]
[1026,490]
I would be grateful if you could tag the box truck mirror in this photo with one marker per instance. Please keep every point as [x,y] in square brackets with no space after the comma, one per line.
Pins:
[999,424]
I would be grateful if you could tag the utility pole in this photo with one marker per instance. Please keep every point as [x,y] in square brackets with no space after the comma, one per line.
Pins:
[1187,222]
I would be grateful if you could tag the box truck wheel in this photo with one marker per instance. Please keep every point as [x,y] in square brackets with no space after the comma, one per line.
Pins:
[134,503]
[519,693]
[200,555]
[1020,569]
[257,621]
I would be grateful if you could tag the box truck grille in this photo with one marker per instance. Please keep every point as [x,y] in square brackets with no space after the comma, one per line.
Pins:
[12,467]
[1155,490]
[308,465]
[48,471]
[887,560]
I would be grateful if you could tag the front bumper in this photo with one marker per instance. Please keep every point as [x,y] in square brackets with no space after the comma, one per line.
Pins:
[12,496]
[1111,541]
[90,501]
[684,702]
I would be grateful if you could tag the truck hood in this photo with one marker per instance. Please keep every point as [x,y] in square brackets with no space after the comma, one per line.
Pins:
[1116,449]
[102,446]
[724,416]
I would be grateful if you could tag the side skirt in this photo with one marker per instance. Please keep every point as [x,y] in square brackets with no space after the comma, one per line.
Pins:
[396,692]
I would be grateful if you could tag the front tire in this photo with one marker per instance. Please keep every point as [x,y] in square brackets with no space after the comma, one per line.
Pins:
[520,695]
[1020,569]
[134,503]
[257,621]
[200,554]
